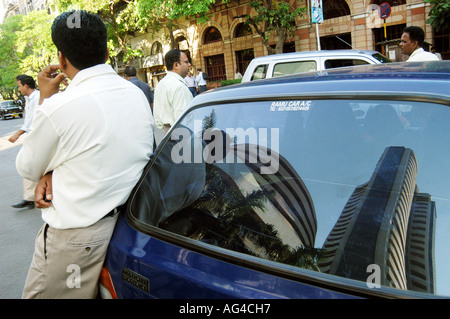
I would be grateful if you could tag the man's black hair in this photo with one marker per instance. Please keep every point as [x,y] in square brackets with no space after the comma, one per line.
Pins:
[171,57]
[130,71]
[415,34]
[81,37]
[26,79]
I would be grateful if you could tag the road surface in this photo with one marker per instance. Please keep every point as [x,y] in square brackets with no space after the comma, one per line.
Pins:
[18,227]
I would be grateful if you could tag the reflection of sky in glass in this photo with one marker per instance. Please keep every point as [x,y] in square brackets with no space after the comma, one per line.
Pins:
[336,145]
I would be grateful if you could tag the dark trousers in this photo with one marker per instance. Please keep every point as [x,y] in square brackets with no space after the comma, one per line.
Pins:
[193,90]
[202,88]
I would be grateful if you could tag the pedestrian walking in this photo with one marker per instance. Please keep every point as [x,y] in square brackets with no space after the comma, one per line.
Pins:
[237,75]
[86,157]
[26,86]
[191,83]
[201,79]
[131,75]
[172,95]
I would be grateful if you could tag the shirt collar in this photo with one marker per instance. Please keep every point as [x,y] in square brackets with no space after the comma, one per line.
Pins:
[93,71]
[32,95]
[176,75]
[417,51]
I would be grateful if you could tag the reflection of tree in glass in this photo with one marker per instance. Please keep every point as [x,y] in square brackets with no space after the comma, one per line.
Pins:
[230,221]
[209,121]
[235,224]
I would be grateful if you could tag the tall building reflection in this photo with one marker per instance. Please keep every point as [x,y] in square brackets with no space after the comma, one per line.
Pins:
[386,222]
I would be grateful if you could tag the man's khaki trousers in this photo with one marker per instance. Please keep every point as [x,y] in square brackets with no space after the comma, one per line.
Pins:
[28,189]
[67,262]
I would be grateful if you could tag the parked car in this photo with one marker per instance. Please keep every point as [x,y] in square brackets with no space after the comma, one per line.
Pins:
[322,185]
[9,108]
[300,62]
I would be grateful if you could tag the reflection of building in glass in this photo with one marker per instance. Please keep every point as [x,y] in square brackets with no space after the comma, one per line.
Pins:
[388,223]
[292,209]
[420,245]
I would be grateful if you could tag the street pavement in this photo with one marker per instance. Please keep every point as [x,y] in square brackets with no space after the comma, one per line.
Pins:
[18,227]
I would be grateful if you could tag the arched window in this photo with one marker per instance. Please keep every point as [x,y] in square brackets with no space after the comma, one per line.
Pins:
[242,30]
[156,48]
[212,35]
[335,8]
[181,43]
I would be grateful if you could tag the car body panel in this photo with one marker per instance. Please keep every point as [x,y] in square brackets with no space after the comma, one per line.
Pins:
[300,62]
[168,265]
[173,272]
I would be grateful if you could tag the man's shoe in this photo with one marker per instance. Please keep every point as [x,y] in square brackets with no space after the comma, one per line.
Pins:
[24,204]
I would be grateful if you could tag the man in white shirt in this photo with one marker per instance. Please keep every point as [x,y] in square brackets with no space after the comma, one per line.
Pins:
[411,43]
[201,81]
[191,83]
[26,86]
[172,95]
[86,157]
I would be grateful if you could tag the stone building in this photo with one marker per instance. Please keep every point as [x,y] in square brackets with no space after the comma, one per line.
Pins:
[224,44]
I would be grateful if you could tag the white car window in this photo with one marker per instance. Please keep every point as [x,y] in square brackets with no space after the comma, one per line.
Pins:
[260,72]
[294,67]
[338,63]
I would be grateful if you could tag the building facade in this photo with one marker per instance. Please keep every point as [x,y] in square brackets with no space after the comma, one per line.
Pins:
[15,7]
[224,44]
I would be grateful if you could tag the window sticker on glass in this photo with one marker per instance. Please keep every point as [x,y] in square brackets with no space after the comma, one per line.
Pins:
[281,106]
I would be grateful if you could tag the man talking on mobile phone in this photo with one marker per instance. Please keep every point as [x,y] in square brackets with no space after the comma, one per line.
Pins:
[86,158]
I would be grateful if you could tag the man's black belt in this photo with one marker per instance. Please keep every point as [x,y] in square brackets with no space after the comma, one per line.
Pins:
[113,212]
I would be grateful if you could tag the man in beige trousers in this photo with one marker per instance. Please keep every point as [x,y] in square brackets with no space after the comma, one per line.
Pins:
[26,86]
[86,158]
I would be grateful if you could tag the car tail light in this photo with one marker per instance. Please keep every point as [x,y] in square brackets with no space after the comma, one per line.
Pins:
[107,290]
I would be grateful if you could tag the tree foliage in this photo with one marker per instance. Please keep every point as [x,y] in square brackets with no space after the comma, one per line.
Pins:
[34,42]
[9,60]
[26,45]
[120,18]
[439,16]
[166,14]
[273,17]
[25,48]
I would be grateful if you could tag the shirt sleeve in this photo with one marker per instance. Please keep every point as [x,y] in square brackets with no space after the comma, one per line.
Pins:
[38,149]
[181,100]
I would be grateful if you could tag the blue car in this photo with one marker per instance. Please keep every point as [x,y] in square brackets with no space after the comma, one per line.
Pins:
[327,185]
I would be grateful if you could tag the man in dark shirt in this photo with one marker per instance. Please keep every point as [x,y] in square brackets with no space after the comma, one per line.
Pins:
[130,75]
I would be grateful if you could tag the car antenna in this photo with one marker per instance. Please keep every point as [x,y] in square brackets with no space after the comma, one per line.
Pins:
[348,44]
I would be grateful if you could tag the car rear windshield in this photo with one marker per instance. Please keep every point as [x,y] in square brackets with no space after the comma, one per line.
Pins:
[351,188]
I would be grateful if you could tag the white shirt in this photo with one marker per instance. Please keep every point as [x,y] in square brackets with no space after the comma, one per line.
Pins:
[96,137]
[190,81]
[31,103]
[172,96]
[422,55]
[200,80]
